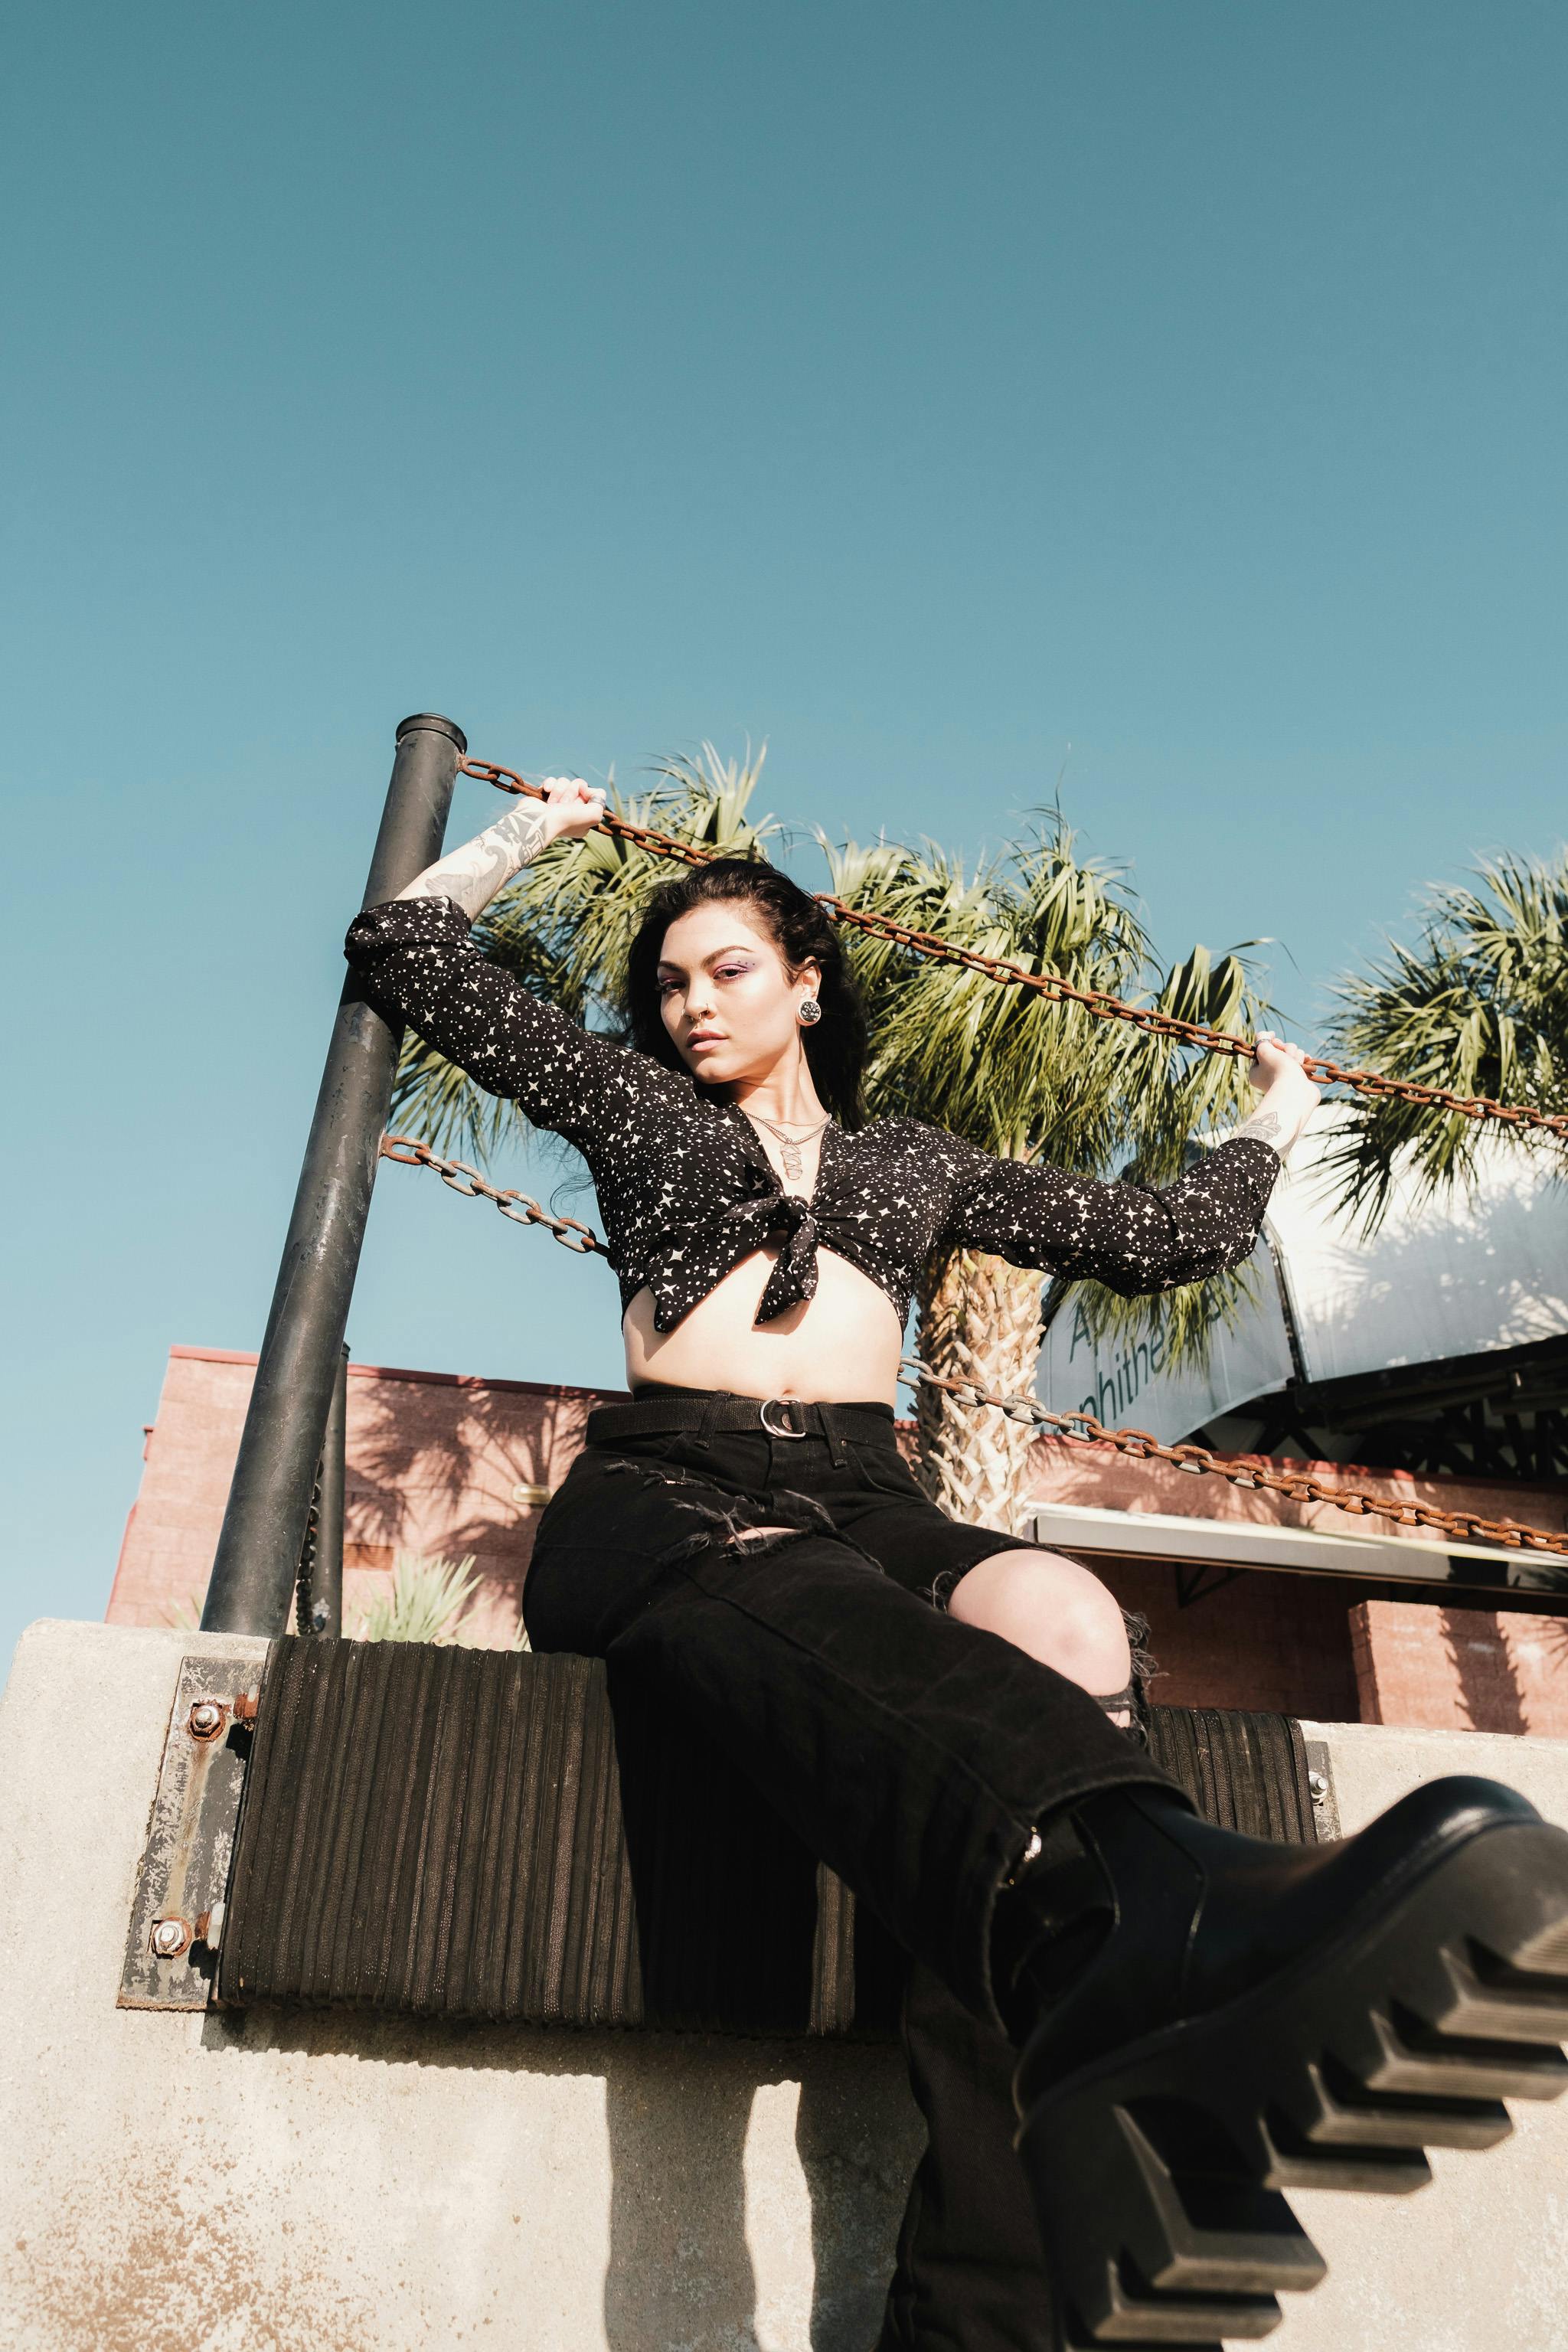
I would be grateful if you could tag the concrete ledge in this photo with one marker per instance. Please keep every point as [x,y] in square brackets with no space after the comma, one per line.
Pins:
[339,2184]
[326,2184]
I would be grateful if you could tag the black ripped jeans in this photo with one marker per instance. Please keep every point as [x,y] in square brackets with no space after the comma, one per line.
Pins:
[913,1754]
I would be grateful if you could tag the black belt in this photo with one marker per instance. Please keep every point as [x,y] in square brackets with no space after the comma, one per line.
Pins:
[614,1424]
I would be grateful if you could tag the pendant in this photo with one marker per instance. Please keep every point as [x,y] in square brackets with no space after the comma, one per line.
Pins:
[793,1164]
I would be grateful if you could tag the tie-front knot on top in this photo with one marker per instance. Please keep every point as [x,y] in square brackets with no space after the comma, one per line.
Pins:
[685,1192]
[792,1221]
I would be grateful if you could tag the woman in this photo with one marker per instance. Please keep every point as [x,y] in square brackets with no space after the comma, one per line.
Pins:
[934,1708]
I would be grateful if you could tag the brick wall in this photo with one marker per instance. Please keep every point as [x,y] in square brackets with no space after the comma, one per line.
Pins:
[443,1463]
[437,1462]
[1279,1642]
[1442,1668]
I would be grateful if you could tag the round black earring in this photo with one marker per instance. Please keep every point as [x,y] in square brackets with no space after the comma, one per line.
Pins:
[810,1010]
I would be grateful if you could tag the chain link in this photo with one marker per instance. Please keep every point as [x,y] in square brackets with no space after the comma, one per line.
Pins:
[305,1573]
[1296,1485]
[1094,1001]
[519,1206]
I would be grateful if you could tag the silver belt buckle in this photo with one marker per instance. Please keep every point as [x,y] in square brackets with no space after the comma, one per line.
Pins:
[784,1404]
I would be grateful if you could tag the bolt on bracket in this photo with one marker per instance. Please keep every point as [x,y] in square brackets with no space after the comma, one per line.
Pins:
[1321,1788]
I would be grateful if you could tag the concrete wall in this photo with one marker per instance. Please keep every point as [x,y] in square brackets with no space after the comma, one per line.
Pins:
[323,2184]
[213,2184]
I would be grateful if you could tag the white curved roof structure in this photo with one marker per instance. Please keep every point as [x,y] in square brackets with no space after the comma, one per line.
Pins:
[1447,1278]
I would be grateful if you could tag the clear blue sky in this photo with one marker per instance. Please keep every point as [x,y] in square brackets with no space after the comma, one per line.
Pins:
[948,394]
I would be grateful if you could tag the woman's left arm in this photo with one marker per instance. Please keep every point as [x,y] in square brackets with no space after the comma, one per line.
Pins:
[475,874]
[1132,1237]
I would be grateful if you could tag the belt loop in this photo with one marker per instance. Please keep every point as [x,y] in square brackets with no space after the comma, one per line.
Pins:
[833,1430]
[707,1428]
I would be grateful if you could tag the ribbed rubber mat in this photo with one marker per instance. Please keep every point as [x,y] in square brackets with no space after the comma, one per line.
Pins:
[437,1830]
[475,1833]
[1244,1771]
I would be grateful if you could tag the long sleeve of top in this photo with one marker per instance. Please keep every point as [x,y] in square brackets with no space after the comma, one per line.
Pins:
[418,964]
[685,1190]
[1129,1236]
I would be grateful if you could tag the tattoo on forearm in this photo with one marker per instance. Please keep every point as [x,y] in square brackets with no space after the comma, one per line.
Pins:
[471,877]
[1268,1127]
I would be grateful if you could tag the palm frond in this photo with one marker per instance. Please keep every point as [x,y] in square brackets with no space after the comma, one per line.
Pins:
[1007,1068]
[1197,1091]
[1478,1006]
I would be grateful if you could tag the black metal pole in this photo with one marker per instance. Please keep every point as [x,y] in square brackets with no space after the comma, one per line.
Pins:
[257,1557]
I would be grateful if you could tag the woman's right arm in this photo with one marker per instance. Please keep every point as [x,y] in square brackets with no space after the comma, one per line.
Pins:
[418,965]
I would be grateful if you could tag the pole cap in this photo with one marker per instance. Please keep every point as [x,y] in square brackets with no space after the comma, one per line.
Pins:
[432,723]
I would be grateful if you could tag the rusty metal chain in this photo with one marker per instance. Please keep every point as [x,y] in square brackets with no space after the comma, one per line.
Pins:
[304,1573]
[1094,1001]
[519,1206]
[1296,1485]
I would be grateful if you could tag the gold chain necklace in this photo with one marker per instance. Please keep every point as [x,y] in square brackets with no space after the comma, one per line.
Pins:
[791,1146]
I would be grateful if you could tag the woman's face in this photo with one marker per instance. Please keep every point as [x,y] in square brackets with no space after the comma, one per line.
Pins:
[727,997]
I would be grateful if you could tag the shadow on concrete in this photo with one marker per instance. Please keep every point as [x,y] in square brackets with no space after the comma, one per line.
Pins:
[679,2112]
[681,2269]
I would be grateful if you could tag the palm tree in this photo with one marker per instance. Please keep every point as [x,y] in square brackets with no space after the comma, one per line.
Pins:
[1479,1006]
[1004,1067]
[1027,1079]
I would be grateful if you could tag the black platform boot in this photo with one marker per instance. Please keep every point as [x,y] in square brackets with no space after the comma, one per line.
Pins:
[1207,2019]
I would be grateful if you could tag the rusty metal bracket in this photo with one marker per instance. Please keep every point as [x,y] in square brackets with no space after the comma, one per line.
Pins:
[176,1912]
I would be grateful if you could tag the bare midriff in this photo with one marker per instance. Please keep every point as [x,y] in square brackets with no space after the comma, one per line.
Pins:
[842,1346]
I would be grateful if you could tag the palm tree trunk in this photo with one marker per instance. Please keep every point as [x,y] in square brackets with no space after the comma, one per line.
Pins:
[980,1321]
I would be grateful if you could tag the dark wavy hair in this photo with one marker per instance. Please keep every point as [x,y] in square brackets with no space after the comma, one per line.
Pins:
[799,929]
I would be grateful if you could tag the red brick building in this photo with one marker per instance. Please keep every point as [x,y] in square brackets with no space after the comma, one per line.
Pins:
[449,1463]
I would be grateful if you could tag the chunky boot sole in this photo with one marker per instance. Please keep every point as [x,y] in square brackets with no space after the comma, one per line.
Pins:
[1158,2171]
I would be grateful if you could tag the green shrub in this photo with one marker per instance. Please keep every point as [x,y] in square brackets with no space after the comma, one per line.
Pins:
[430,1600]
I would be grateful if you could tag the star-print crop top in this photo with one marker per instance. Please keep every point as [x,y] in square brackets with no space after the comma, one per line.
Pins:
[685,1190]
